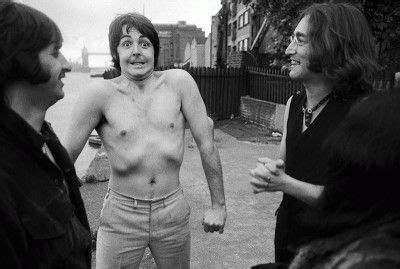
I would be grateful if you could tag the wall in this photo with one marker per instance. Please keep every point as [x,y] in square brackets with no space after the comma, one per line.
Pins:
[266,114]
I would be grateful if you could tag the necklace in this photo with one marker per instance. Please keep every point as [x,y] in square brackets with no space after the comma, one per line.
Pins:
[308,112]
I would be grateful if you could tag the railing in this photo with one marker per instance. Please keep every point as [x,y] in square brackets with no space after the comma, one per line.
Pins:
[271,85]
[221,89]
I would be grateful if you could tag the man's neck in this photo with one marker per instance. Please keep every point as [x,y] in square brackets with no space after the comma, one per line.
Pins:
[140,82]
[316,91]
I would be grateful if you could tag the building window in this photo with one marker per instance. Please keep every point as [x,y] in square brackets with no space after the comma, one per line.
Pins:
[240,45]
[245,44]
[240,21]
[246,18]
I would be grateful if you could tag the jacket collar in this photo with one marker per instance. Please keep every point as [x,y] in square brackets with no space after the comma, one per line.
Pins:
[20,131]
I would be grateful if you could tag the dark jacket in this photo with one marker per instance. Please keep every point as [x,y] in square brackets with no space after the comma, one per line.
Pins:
[43,223]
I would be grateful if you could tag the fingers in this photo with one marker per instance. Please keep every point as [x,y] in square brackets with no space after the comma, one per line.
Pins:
[258,184]
[261,173]
[280,163]
[264,160]
[272,168]
[213,228]
[272,165]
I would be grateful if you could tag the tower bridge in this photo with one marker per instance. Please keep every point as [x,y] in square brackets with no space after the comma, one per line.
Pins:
[85,56]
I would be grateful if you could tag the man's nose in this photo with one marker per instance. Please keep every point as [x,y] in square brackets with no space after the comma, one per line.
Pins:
[135,49]
[290,48]
[66,66]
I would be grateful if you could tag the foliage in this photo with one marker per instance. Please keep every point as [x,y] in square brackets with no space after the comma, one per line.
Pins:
[384,19]
[382,15]
[282,17]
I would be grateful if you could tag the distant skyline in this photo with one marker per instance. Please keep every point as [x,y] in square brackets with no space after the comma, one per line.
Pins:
[85,22]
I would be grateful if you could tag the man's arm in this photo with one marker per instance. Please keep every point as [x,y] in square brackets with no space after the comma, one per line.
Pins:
[201,126]
[85,116]
[12,239]
[270,176]
[282,147]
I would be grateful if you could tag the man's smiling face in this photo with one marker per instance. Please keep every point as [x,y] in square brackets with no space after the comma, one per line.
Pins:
[299,50]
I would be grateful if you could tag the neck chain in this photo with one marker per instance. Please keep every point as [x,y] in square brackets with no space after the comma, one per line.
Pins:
[308,112]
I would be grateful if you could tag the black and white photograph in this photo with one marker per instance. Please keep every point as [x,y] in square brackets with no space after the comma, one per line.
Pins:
[205,134]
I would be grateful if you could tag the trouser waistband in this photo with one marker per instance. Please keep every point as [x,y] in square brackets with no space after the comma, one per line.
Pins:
[164,200]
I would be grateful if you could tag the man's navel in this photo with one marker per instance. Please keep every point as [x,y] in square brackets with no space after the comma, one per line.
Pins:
[122,133]
[152,180]
[171,125]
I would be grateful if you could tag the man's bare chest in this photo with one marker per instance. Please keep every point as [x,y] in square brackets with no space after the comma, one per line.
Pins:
[160,110]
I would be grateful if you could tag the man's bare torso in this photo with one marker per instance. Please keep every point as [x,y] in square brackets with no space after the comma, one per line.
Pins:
[143,133]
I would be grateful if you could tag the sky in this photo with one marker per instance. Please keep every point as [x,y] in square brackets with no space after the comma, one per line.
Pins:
[85,22]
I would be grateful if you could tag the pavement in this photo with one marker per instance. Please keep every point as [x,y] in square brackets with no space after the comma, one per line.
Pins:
[249,232]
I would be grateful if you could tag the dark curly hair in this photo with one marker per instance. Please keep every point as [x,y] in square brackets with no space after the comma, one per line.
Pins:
[24,32]
[132,20]
[341,46]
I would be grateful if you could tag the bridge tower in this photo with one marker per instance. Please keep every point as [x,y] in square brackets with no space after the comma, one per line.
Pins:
[85,57]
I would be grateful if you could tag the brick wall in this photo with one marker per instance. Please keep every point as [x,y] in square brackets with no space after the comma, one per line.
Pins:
[235,59]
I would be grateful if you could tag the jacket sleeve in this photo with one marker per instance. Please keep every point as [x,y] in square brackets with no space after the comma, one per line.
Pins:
[13,242]
[8,252]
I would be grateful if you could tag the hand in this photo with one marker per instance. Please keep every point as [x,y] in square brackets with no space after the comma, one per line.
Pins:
[268,176]
[214,219]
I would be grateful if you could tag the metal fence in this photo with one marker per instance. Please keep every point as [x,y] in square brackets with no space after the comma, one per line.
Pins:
[271,85]
[221,89]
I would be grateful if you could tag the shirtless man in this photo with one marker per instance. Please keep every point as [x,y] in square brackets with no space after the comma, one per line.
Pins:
[140,117]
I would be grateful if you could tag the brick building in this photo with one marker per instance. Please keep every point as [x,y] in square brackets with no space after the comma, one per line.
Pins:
[173,40]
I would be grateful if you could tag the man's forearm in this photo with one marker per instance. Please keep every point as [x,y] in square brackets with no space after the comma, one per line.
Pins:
[303,191]
[213,172]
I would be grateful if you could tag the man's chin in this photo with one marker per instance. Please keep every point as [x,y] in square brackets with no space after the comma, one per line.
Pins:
[140,74]
[294,75]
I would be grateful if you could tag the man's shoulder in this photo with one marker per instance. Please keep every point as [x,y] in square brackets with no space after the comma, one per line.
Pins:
[176,74]
[98,90]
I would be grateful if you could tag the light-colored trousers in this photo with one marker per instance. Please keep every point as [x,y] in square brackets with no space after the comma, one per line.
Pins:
[128,226]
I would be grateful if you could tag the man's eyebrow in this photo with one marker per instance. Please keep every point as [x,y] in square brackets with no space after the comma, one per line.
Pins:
[128,36]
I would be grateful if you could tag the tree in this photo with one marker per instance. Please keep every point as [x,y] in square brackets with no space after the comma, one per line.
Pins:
[282,19]
[384,19]
[382,15]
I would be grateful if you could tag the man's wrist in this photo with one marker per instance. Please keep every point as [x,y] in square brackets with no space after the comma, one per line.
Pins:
[219,205]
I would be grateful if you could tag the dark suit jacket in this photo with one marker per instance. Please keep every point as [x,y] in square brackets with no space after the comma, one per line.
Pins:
[43,223]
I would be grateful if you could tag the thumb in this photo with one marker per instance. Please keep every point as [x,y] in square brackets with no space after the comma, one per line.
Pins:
[280,163]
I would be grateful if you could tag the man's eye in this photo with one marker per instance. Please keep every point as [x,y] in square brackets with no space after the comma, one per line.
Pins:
[145,44]
[56,54]
[126,44]
[301,41]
